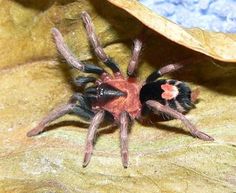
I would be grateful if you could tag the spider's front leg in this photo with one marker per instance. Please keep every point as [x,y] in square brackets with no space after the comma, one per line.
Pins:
[96,121]
[133,64]
[158,107]
[70,57]
[124,124]
[82,110]
[53,115]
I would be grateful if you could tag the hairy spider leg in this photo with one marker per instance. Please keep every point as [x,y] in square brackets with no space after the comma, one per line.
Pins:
[158,107]
[53,115]
[89,143]
[70,57]
[90,30]
[164,70]
[173,67]
[59,112]
[124,124]
[133,64]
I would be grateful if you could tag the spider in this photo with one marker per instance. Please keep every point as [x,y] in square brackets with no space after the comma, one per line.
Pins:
[117,98]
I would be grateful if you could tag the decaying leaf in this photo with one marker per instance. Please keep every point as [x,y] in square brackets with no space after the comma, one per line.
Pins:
[217,45]
[163,156]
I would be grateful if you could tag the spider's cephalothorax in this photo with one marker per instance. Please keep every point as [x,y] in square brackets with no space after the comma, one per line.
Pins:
[118,98]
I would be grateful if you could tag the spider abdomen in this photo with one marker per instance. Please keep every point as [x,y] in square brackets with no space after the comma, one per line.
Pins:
[173,93]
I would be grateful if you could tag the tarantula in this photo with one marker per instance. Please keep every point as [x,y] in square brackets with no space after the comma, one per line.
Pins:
[118,98]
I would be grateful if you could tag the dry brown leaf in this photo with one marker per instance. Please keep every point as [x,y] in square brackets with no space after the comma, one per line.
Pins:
[220,46]
[163,157]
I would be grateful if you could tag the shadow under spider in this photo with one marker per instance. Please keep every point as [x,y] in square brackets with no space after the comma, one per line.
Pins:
[158,122]
[177,130]
[78,124]
[106,128]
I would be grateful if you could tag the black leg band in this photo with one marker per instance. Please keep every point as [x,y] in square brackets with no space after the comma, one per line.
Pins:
[112,65]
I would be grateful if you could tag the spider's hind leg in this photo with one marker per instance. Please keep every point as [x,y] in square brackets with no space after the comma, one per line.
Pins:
[172,67]
[158,107]
[162,71]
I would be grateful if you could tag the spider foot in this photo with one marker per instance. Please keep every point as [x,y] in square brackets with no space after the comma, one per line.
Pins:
[202,135]
[87,154]
[35,131]
[124,157]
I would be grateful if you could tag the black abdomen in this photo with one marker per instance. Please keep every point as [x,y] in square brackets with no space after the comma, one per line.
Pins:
[153,91]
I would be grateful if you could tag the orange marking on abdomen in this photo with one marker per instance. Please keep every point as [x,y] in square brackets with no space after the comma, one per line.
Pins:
[170,91]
